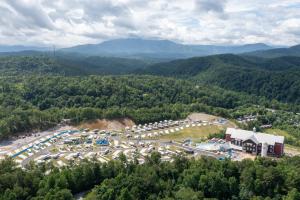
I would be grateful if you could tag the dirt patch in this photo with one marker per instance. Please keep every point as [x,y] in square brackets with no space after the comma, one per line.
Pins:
[105,124]
[209,118]
[291,150]
[202,117]
[243,156]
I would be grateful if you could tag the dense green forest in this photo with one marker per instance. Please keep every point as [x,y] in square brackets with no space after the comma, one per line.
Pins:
[39,102]
[37,92]
[67,65]
[181,179]
[276,78]
[278,52]
[33,102]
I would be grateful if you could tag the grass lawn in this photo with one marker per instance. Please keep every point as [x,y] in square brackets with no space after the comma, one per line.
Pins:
[54,150]
[278,132]
[290,147]
[195,133]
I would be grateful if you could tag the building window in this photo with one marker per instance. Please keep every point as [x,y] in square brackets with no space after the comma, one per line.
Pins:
[270,149]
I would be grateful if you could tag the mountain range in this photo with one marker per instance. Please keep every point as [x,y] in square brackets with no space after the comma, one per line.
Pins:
[277,52]
[154,50]
[20,48]
[142,48]
[273,72]
[273,78]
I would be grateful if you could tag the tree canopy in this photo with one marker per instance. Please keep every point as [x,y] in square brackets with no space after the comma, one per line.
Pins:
[182,179]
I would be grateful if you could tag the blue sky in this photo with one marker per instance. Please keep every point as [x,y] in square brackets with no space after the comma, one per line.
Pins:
[71,22]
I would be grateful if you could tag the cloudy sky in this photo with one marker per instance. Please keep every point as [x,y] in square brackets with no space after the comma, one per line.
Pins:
[72,22]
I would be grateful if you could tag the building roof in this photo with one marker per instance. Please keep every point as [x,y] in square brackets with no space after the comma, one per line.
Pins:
[255,136]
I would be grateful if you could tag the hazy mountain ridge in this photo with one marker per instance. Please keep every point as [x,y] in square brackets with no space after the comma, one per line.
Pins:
[159,48]
[152,50]
[18,48]
[193,66]
[276,78]
[69,64]
[277,52]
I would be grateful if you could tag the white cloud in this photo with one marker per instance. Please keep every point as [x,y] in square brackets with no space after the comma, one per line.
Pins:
[214,6]
[71,22]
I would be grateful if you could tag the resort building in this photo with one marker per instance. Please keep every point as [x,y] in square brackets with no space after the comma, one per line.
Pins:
[255,143]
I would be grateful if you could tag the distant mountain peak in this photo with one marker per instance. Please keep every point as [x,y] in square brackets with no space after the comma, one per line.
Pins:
[19,48]
[296,47]
[258,45]
[159,48]
[277,52]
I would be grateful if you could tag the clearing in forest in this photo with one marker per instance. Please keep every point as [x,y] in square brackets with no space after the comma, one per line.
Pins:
[196,133]
[106,124]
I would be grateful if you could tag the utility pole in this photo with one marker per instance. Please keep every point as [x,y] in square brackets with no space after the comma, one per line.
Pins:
[54,50]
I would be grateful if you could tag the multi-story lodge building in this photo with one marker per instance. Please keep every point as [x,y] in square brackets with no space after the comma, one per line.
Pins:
[255,143]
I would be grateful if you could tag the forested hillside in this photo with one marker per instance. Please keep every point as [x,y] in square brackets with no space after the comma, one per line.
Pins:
[278,52]
[276,78]
[155,180]
[37,92]
[40,102]
[66,64]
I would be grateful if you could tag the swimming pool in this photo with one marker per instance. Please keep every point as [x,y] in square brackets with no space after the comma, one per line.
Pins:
[208,146]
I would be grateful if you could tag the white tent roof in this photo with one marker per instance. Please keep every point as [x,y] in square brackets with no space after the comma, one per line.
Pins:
[25,147]
[260,137]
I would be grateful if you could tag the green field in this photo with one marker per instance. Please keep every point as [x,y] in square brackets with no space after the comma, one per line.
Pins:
[197,133]
[278,132]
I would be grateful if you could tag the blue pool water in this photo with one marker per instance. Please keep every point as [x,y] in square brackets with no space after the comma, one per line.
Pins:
[209,146]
